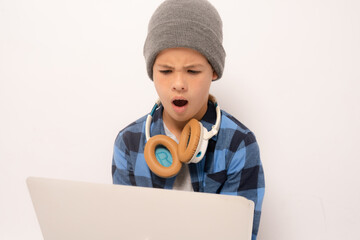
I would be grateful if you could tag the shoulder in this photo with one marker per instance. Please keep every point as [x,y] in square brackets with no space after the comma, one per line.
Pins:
[234,132]
[240,145]
[131,134]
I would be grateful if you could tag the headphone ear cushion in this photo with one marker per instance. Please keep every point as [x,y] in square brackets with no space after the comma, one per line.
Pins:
[162,141]
[189,140]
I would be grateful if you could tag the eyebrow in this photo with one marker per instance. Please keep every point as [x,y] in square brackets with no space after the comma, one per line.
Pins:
[194,65]
[164,66]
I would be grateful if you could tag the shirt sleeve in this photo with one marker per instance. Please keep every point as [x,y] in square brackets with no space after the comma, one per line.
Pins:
[121,170]
[245,177]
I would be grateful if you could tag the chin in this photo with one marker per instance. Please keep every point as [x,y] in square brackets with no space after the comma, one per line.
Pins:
[183,118]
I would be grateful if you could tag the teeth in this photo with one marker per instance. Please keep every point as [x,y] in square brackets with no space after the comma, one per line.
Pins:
[180,103]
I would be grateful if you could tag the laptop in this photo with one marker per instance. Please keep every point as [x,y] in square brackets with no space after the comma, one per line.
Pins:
[69,210]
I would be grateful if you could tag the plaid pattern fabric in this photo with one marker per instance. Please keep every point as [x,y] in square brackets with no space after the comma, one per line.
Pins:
[230,166]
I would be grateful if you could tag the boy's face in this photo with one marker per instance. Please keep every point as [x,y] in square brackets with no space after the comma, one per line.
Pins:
[182,78]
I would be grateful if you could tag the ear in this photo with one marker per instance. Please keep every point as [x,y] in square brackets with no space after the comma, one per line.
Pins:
[215,76]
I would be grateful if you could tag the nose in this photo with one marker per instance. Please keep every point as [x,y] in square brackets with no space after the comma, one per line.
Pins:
[179,82]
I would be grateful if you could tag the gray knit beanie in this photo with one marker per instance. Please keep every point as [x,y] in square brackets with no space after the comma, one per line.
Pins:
[192,24]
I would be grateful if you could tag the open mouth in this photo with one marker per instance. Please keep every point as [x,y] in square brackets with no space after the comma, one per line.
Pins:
[180,102]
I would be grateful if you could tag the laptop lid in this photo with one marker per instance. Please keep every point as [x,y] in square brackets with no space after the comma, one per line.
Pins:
[78,210]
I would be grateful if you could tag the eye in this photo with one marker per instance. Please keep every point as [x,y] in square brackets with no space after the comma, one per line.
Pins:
[165,71]
[193,72]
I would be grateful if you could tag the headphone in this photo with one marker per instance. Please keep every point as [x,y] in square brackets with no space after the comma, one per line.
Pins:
[164,156]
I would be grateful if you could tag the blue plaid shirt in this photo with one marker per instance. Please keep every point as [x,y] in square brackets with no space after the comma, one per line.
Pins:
[230,166]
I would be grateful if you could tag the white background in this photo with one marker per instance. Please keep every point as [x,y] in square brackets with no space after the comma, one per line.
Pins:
[72,75]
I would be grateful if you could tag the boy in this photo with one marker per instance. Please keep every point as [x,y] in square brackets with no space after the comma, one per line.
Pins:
[184,54]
